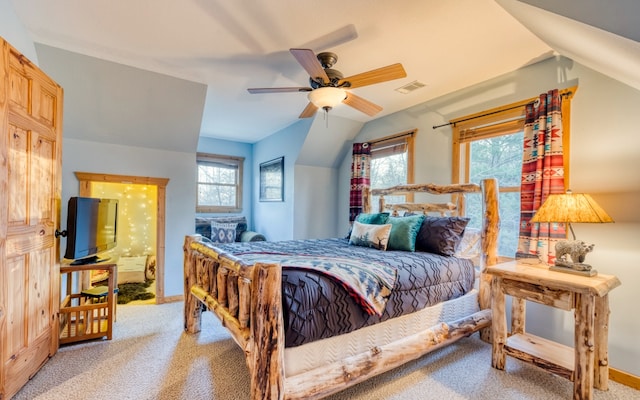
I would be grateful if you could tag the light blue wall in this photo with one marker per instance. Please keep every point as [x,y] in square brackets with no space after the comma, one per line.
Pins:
[275,219]
[12,30]
[114,103]
[315,206]
[237,149]
[316,195]
[604,153]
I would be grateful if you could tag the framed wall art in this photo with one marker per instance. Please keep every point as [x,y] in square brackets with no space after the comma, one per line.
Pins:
[272,180]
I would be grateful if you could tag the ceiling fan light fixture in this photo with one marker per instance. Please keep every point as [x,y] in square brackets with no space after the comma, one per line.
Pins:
[327,97]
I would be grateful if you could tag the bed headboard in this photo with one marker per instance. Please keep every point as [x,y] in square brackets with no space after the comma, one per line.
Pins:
[490,216]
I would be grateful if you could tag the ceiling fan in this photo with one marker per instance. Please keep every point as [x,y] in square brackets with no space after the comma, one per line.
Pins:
[328,85]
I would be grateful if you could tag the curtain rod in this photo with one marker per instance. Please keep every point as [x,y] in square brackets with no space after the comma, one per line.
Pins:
[396,136]
[495,112]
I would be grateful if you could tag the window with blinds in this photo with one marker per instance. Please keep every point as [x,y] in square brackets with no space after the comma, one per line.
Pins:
[219,183]
[392,164]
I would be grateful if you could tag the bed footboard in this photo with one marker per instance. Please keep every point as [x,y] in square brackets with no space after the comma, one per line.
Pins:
[247,299]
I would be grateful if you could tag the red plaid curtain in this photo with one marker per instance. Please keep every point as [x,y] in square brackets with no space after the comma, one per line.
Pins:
[542,175]
[360,177]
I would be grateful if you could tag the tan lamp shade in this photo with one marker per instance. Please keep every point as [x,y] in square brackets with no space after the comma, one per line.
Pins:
[570,207]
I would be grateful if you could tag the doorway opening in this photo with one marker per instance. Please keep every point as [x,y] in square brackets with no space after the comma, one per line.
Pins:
[141,222]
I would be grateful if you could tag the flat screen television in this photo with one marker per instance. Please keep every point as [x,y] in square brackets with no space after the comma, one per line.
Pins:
[91,229]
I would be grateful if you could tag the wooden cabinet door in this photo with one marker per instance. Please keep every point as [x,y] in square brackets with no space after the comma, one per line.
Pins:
[30,181]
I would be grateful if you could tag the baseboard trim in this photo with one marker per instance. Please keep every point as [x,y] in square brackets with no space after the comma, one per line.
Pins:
[624,378]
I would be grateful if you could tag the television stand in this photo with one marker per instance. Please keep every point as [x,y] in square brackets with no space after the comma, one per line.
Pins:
[89,260]
[83,314]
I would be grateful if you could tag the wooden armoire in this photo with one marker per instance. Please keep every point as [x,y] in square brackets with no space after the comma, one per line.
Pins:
[30,197]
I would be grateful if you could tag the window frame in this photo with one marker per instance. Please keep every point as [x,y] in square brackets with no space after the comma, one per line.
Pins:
[389,145]
[238,163]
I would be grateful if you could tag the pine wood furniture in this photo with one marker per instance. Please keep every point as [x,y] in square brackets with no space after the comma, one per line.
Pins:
[30,187]
[248,301]
[87,314]
[587,363]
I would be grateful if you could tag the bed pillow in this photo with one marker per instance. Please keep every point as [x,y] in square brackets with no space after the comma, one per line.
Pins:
[223,232]
[469,246]
[369,235]
[203,224]
[404,231]
[373,219]
[441,235]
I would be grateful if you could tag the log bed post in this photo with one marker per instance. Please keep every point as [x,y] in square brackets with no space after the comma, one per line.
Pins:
[192,307]
[489,255]
[267,333]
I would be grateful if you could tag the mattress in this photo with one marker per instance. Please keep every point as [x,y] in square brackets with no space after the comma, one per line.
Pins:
[316,307]
[326,351]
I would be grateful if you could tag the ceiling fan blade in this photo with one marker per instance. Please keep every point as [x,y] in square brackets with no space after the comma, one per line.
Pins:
[388,73]
[279,90]
[309,111]
[361,104]
[310,63]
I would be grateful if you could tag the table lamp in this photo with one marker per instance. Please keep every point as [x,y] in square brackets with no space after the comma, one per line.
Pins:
[568,208]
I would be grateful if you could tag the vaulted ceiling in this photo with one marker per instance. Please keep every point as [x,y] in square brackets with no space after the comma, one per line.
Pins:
[233,45]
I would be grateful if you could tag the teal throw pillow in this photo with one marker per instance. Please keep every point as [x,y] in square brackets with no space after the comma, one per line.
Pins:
[403,232]
[370,219]
[373,218]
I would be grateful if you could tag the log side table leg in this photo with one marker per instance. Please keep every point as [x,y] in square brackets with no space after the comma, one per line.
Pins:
[601,356]
[518,315]
[498,324]
[584,347]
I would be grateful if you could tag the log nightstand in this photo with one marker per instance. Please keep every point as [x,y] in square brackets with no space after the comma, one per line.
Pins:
[586,364]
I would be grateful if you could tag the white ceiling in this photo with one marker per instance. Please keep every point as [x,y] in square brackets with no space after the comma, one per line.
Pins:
[234,45]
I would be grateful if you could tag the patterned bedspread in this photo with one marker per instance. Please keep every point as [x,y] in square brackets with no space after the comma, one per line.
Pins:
[317,306]
[369,283]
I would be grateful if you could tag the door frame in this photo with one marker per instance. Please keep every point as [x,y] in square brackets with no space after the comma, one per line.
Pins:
[86,178]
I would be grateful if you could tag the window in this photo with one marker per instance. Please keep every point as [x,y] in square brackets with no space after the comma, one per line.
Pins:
[489,145]
[219,183]
[497,157]
[392,164]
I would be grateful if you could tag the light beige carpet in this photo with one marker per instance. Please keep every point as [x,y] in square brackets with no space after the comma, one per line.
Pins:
[151,357]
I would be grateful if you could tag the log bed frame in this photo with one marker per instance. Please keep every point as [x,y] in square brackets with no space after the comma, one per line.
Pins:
[247,300]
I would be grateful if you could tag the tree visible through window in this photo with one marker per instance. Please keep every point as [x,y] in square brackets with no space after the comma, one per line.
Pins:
[490,146]
[498,157]
[391,164]
[219,183]
[389,171]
